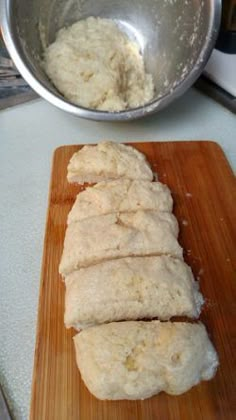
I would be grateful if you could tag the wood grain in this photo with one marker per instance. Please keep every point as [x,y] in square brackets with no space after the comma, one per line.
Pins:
[204,192]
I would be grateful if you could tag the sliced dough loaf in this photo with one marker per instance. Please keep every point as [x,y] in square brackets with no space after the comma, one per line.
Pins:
[117,235]
[129,289]
[119,196]
[107,161]
[135,359]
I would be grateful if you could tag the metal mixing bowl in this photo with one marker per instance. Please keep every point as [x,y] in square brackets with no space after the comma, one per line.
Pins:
[176,38]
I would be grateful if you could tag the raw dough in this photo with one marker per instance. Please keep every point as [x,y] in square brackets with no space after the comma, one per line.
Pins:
[94,64]
[120,195]
[107,161]
[118,235]
[131,288]
[135,359]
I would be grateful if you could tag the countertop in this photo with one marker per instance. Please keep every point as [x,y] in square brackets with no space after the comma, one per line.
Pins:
[29,134]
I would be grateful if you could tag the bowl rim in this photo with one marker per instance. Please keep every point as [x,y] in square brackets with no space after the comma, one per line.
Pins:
[134,113]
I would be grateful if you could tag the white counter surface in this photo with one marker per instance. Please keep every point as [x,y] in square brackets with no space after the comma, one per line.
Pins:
[28,135]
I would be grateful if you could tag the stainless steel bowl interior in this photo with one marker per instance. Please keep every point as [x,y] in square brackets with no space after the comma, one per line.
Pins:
[175,37]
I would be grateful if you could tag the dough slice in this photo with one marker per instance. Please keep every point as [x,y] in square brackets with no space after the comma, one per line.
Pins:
[119,196]
[107,161]
[129,289]
[135,359]
[117,235]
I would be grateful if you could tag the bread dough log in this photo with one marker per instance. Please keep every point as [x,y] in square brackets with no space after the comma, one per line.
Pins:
[135,359]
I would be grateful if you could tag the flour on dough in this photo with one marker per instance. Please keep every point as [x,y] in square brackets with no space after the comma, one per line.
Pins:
[94,64]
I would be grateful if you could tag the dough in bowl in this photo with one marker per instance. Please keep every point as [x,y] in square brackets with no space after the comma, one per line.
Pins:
[94,64]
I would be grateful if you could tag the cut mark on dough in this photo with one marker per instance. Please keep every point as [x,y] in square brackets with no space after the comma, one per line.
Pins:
[176,359]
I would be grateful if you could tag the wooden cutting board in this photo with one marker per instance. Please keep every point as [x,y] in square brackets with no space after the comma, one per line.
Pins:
[204,192]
